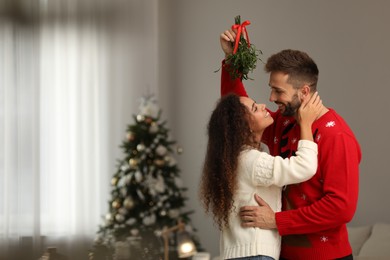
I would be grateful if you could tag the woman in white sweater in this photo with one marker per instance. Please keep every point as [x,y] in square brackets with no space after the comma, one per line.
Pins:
[235,169]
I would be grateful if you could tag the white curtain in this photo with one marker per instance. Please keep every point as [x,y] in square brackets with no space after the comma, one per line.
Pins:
[63,79]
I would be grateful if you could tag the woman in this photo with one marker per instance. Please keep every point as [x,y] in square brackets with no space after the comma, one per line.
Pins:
[235,169]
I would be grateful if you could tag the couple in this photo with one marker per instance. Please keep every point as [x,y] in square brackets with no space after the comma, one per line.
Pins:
[314,213]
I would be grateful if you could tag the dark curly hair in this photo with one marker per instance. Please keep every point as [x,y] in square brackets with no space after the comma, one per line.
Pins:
[228,132]
[297,64]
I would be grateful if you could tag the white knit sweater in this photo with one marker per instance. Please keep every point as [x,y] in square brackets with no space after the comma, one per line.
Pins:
[265,175]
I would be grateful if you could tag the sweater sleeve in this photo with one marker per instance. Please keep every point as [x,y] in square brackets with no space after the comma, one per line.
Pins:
[339,169]
[229,85]
[269,170]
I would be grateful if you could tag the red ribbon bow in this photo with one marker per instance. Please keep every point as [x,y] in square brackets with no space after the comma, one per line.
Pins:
[240,28]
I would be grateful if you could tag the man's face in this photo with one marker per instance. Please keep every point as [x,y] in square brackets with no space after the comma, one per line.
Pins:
[284,94]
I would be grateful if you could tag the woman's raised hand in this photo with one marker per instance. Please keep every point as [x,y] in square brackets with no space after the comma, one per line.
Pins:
[227,39]
[310,109]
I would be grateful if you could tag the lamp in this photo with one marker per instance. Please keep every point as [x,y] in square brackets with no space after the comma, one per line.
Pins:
[185,245]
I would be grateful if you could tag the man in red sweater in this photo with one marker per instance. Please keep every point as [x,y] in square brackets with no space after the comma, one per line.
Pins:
[313,221]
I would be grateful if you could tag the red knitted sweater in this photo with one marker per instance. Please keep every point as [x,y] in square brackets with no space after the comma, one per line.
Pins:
[313,221]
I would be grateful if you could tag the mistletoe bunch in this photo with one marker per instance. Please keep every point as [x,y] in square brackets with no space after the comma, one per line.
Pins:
[245,55]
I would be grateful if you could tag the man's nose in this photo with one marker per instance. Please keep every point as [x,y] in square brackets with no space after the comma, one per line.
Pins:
[272,97]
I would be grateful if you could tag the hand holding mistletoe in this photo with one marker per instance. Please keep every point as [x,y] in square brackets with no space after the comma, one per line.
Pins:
[241,55]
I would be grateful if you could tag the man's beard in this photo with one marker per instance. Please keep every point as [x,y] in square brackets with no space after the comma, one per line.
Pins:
[291,108]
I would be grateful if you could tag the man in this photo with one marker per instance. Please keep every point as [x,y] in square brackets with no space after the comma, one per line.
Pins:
[313,221]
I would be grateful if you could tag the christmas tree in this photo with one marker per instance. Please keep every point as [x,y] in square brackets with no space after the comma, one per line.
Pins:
[147,194]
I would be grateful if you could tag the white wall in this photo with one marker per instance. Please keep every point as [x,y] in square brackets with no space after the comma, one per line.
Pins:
[348,39]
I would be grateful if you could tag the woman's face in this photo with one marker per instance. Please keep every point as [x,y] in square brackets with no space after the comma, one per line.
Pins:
[260,118]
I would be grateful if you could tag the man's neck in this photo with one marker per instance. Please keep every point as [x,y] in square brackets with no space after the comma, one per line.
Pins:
[323,111]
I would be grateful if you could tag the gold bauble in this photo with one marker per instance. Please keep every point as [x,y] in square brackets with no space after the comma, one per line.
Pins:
[130,136]
[114,181]
[159,162]
[116,204]
[133,162]
[128,203]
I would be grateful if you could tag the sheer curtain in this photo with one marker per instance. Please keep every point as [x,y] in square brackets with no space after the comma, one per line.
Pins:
[61,103]
[19,154]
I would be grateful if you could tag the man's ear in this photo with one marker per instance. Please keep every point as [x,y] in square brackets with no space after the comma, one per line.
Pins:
[305,90]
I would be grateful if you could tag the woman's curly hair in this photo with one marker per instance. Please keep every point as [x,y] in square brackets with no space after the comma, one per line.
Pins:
[228,132]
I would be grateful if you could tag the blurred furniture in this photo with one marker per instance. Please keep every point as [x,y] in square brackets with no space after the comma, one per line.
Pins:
[52,254]
[370,242]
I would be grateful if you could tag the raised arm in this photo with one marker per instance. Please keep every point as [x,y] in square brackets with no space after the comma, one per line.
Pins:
[274,170]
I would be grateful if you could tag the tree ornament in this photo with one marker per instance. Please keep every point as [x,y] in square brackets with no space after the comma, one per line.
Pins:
[153,128]
[130,136]
[116,204]
[124,167]
[123,211]
[134,232]
[114,181]
[140,147]
[159,162]
[173,213]
[138,176]
[119,217]
[140,118]
[179,150]
[148,106]
[131,221]
[149,220]
[133,163]
[128,203]
[158,233]
[161,150]
[128,178]
[109,217]
[123,191]
[140,195]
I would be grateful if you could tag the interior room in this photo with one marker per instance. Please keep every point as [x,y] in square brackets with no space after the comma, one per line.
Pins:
[74,74]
